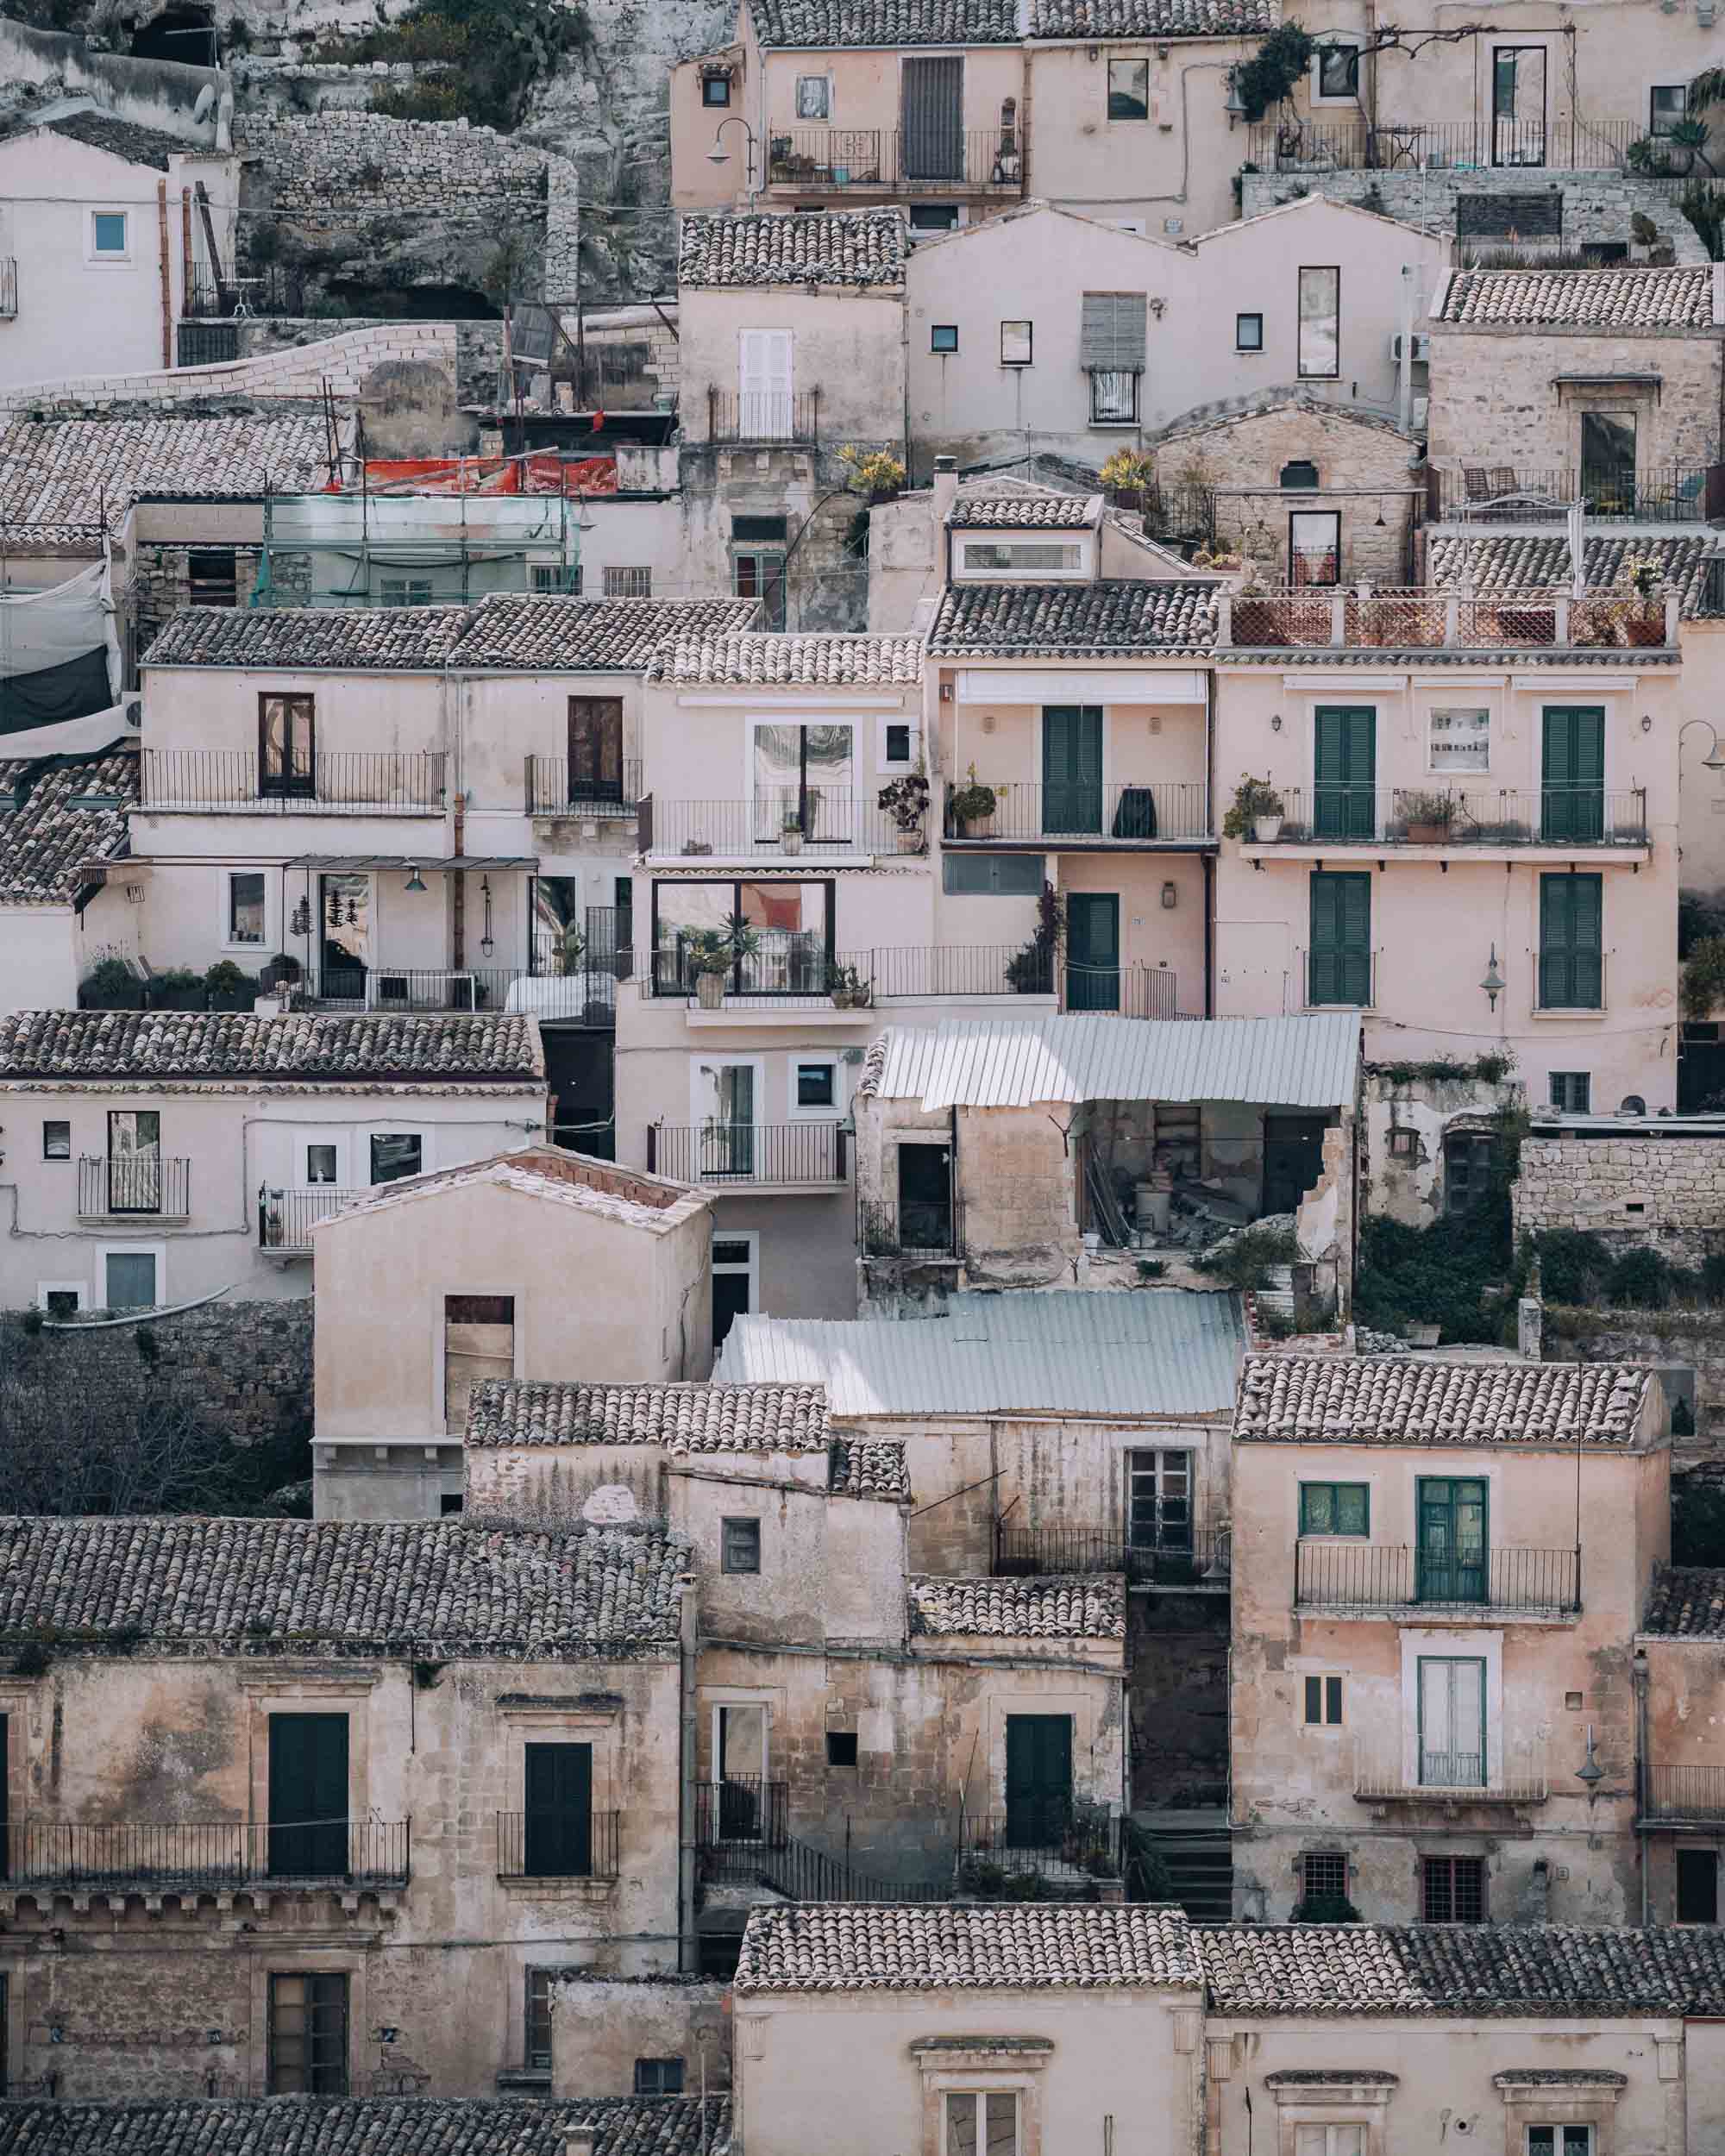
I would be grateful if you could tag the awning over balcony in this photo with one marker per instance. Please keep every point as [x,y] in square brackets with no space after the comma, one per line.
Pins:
[446,865]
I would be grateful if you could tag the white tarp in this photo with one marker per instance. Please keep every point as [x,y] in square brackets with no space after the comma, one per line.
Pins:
[60,659]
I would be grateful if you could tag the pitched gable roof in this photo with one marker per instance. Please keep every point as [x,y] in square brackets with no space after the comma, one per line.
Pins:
[769,660]
[1074,621]
[1614,299]
[1151,18]
[685,1417]
[381,638]
[629,1195]
[1687,1603]
[378,2126]
[1024,507]
[123,138]
[1076,1606]
[998,1946]
[833,25]
[595,635]
[149,1046]
[861,247]
[1488,562]
[1388,1400]
[48,840]
[70,472]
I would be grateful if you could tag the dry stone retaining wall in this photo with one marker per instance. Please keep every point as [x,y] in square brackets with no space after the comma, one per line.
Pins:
[1657,1193]
[344,362]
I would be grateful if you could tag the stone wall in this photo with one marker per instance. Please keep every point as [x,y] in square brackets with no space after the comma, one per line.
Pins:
[1658,1191]
[345,362]
[1407,1120]
[1177,1698]
[1597,206]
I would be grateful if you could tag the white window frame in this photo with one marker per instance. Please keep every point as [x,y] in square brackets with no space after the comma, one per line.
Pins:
[106,258]
[979,2096]
[713,1060]
[895,766]
[718,1702]
[751,1267]
[835,1062]
[981,573]
[801,119]
[1459,771]
[1331,103]
[626,569]
[339,1140]
[268,941]
[157,1250]
[1560,2130]
[78,1287]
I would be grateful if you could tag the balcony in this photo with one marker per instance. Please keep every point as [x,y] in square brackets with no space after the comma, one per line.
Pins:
[1147,816]
[552,791]
[134,1184]
[821,160]
[1508,494]
[1173,1556]
[1460,146]
[1333,980]
[773,1156]
[338,784]
[742,1808]
[586,996]
[802,977]
[1382,1580]
[114,1855]
[1683,1796]
[276,290]
[766,418]
[1418,618]
[776,823]
[923,1235]
[286,1217]
[1042,1847]
[1453,1780]
[1455,818]
[557,1844]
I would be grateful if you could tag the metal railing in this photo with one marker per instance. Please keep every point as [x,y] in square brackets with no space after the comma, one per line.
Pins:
[1173,1556]
[1132,992]
[1376,1576]
[1683,1794]
[1493,494]
[1340,146]
[832,161]
[1132,814]
[802,977]
[1442,1776]
[765,415]
[587,995]
[777,822]
[286,1217]
[1344,980]
[551,791]
[1441,815]
[1054,1841]
[557,1844]
[8,285]
[741,1808]
[133,1182]
[1418,618]
[923,1233]
[206,1853]
[392,782]
[275,289]
[759,1153]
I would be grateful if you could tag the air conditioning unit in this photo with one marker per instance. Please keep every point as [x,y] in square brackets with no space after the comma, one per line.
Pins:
[1423,348]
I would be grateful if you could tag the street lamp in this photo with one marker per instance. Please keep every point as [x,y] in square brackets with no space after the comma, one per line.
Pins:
[1493,982]
[719,155]
[1714,760]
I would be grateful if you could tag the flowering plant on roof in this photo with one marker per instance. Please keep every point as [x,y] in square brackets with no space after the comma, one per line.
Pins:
[1127,467]
[1643,573]
[875,472]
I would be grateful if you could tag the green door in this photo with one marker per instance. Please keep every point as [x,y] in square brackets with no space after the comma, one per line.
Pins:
[1072,768]
[1038,1779]
[1341,939]
[558,1840]
[1451,1559]
[1093,951]
[1344,772]
[1571,954]
[1572,781]
[308,1796]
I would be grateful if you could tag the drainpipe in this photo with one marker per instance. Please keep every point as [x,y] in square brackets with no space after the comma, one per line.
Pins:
[458,915]
[167,275]
[688,1949]
[1638,1677]
[1209,859]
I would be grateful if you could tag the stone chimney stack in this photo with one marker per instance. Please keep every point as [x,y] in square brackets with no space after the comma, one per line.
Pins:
[578,2139]
[945,491]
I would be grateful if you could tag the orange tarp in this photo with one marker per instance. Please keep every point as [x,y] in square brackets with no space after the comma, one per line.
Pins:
[540,472]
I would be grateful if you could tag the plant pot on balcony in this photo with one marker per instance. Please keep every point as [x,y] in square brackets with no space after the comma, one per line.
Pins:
[791,839]
[911,840]
[710,991]
[1427,834]
[1647,628]
[1266,830]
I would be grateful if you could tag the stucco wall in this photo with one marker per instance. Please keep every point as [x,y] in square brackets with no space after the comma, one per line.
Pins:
[600,2025]
[1409,1185]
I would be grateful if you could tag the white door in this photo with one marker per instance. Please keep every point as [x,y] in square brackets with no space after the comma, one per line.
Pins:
[763,382]
[1452,1721]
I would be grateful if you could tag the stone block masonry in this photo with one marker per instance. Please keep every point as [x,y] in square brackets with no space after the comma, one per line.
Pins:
[1654,1192]
[333,162]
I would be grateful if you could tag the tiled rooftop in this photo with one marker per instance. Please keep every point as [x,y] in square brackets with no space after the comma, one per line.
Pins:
[1073,620]
[1033,509]
[380,637]
[45,841]
[1151,18]
[1687,1603]
[561,1178]
[820,247]
[344,1587]
[375,2125]
[872,1468]
[1611,299]
[1384,1400]
[831,25]
[1470,1970]
[794,661]
[120,138]
[144,1046]
[694,1418]
[1073,1606]
[74,471]
[1486,563]
[1001,1946]
[590,635]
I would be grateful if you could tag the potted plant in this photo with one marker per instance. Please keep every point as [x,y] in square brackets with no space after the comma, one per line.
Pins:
[877,474]
[110,985]
[230,987]
[791,831]
[1429,817]
[1644,574]
[849,989]
[1125,475]
[708,956]
[572,948]
[972,805]
[1030,972]
[177,989]
[1258,809]
[906,800]
[282,972]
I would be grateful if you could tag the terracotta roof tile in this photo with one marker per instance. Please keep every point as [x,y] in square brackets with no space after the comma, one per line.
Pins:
[215,1044]
[861,248]
[46,838]
[1388,1400]
[1615,299]
[1151,18]
[1034,510]
[289,2126]
[1072,1606]
[831,25]
[356,1587]
[1003,1946]
[597,635]
[73,471]
[372,638]
[1490,562]
[1687,1603]
[868,1467]
[694,1418]
[119,138]
[816,660]
[1073,620]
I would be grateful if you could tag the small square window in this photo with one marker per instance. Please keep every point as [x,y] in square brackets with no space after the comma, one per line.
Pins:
[108,232]
[1335,1509]
[1129,90]
[1572,1091]
[245,906]
[1113,396]
[395,1156]
[555,580]
[1015,343]
[1324,1875]
[629,583]
[740,1548]
[450,1503]
[817,1085]
[841,1747]
[1459,738]
[814,97]
[715,90]
[1452,1890]
[897,745]
[1323,1703]
[658,2077]
[944,337]
[1248,333]
[1338,73]
[56,1141]
[62,1302]
[320,1163]
[934,216]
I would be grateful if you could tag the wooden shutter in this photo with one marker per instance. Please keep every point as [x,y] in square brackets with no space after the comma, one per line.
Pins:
[558,1790]
[1573,775]
[933,116]
[1112,335]
[308,1795]
[1341,939]
[764,370]
[596,749]
[1038,1776]
[1344,771]
[1571,961]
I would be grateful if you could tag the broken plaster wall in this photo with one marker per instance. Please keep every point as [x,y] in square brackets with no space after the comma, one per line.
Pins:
[1407,1120]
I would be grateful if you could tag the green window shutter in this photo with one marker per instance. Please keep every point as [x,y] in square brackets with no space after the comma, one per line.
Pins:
[1573,773]
[1571,954]
[1341,939]
[1344,771]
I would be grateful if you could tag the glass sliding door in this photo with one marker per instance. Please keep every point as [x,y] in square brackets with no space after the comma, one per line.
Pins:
[803,776]
[729,1097]
[344,907]
[134,1160]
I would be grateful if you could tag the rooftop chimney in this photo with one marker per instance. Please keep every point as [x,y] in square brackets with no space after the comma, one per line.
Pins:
[578,2139]
[945,488]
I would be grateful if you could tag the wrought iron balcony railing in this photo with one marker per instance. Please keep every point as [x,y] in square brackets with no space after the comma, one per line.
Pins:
[1086,813]
[767,416]
[778,821]
[1172,1555]
[1418,619]
[1369,1576]
[1055,1840]
[386,782]
[218,1854]
[586,995]
[286,1217]
[741,1808]
[557,1844]
[1513,1772]
[553,789]
[1513,494]
[1458,815]
[1685,1795]
[877,161]
[1302,145]
[925,1232]
[799,973]
[748,1153]
[133,1182]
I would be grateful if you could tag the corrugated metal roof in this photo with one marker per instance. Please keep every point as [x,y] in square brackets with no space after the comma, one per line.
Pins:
[1297,1062]
[1121,1353]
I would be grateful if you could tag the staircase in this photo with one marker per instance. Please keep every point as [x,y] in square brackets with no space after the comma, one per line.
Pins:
[799,1873]
[1198,1849]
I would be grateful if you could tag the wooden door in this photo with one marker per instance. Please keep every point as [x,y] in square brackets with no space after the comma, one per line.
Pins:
[1039,1778]
[559,1824]
[308,1796]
